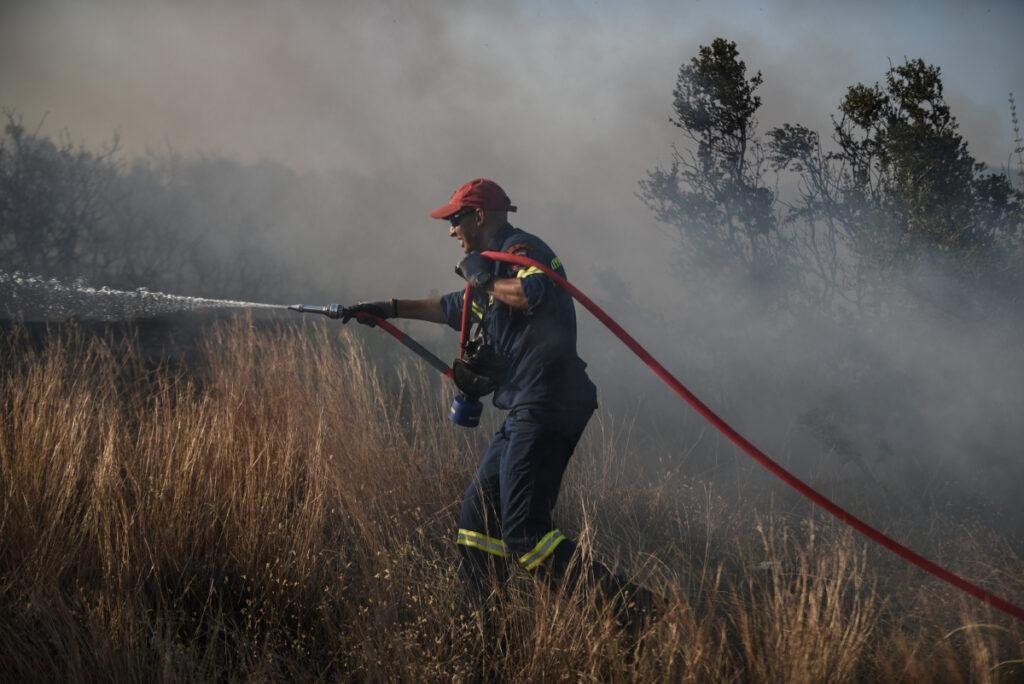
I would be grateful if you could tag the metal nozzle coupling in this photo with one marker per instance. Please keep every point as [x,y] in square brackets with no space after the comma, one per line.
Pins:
[329,310]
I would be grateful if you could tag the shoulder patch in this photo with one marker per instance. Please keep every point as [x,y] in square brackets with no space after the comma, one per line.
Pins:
[519,249]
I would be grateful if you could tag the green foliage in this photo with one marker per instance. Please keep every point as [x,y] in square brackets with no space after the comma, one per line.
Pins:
[715,104]
[715,196]
[898,197]
[912,189]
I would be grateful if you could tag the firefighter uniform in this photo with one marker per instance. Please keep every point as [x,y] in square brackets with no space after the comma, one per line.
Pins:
[507,508]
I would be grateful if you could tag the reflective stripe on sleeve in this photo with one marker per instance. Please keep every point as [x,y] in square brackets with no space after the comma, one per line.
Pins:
[483,542]
[524,272]
[544,548]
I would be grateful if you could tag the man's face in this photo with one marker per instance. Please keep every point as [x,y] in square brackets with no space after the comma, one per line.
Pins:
[466,227]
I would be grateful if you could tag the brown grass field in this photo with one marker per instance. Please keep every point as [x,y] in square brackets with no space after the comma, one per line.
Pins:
[284,510]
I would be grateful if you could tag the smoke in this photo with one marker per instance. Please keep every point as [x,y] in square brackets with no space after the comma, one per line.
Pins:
[908,415]
[391,105]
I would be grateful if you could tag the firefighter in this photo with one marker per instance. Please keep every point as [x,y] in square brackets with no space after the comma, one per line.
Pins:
[527,325]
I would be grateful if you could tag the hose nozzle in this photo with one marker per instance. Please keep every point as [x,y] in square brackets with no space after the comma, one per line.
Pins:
[329,310]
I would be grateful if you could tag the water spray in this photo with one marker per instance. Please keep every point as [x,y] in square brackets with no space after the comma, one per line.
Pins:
[60,299]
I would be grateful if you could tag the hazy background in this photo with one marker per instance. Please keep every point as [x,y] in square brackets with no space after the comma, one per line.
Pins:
[566,105]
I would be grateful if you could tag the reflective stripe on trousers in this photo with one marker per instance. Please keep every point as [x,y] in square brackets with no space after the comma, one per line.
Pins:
[483,543]
[530,560]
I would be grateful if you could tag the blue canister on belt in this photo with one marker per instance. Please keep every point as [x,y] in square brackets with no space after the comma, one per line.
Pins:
[465,411]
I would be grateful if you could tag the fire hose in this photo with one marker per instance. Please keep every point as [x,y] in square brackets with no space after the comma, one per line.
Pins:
[337,311]
[735,437]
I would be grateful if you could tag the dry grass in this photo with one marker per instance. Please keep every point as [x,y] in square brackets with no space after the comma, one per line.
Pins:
[285,513]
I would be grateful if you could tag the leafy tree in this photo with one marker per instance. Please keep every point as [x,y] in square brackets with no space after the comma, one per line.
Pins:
[911,189]
[898,197]
[714,195]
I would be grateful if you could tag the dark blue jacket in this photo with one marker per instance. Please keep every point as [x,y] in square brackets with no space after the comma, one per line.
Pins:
[539,343]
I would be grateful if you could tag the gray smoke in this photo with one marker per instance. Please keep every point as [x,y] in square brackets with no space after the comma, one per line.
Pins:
[394,104]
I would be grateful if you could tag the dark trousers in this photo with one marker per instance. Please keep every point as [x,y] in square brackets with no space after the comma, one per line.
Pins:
[507,509]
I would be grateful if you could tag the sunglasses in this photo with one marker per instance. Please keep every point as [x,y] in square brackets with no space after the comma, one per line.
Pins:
[457,217]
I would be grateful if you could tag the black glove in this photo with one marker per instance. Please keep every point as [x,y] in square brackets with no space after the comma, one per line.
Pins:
[476,270]
[379,309]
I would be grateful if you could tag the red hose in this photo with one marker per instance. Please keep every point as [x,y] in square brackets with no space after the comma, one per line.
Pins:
[410,344]
[740,441]
[467,307]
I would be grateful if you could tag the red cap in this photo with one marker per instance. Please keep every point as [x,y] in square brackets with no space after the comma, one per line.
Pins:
[478,194]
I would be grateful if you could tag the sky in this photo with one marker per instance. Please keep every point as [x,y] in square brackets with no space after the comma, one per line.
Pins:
[564,101]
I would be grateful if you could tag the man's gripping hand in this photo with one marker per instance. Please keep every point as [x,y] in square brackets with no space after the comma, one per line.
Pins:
[379,309]
[476,270]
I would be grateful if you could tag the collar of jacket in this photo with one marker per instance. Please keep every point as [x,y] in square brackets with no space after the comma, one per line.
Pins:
[500,237]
